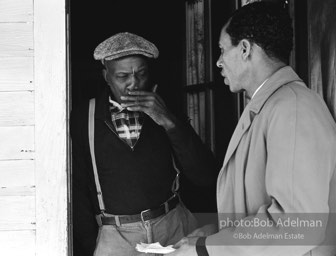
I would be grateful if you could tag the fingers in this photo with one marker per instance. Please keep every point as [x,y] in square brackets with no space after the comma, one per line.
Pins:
[140,93]
[138,98]
[183,241]
[151,104]
[139,103]
[146,99]
[143,95]
[138,108]
[144,92]
[195,233]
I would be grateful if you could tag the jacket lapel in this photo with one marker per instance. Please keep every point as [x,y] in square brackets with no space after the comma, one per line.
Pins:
[242,126]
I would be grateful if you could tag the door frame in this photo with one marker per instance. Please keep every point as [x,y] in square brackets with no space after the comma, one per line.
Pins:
[51,128]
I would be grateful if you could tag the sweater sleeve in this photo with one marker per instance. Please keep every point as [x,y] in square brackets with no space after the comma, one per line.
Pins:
[196,160]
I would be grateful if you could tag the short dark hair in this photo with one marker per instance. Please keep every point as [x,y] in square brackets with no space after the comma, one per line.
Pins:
[266,24]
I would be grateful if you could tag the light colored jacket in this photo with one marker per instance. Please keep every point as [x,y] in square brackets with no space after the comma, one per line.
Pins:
[281,159]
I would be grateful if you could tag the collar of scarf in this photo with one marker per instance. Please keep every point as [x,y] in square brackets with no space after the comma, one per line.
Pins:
[115,107]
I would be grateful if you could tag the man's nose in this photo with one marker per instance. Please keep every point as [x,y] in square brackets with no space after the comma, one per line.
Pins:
[133,83]
[219,63]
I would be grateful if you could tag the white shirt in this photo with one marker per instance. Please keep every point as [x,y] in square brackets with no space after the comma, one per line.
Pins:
[255,92]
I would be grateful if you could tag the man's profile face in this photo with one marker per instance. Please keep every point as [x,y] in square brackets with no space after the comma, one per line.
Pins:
[229,62]
[126,74]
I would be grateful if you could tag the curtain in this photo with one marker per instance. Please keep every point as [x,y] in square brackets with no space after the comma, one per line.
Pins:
[322,50]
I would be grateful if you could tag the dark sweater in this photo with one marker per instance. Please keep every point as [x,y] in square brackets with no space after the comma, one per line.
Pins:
[134,180]
[131,180]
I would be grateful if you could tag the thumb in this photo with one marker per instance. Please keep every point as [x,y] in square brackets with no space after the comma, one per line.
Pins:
[183,241]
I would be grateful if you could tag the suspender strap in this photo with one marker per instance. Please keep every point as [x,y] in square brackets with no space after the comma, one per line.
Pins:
[94,165]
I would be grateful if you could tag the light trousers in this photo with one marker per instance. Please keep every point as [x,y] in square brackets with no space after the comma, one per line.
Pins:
[168,229]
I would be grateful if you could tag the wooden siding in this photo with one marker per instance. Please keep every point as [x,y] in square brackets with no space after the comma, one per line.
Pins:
[18,243]
[33,153]
[16,39]
[17,157]
[51,136]
[17,196]
[17,142]
[16,11]
[17,108]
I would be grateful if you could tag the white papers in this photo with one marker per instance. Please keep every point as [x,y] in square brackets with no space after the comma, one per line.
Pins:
[154,248]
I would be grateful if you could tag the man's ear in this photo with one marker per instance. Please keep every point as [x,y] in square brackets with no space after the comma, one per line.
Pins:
[246,48]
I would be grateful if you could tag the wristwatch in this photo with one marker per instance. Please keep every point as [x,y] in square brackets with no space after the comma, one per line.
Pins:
[200,246]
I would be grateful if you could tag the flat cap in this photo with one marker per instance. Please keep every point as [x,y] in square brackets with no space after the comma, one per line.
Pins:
[124,44]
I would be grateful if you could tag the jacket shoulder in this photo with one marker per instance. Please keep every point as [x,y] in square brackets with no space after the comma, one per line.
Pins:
[295,94]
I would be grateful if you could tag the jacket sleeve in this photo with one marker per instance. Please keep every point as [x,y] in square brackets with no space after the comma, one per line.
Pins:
[300,140]
[85,228]
[195,159]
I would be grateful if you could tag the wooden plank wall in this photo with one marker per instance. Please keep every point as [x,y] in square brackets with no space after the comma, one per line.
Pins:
[51,128]
[17,124]
[33,129]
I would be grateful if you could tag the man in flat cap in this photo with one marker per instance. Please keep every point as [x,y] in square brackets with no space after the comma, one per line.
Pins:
[128,151]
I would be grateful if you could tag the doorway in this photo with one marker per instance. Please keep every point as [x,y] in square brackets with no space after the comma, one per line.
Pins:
[158,21]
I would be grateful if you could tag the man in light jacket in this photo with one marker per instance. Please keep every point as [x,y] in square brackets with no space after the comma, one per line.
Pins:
[276,190]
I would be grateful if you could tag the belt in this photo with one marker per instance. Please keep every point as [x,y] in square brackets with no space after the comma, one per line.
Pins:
[143,216]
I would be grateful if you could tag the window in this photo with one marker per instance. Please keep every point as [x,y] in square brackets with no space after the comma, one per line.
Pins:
[199,104]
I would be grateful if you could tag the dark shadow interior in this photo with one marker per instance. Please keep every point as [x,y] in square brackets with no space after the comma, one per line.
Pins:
[163,23]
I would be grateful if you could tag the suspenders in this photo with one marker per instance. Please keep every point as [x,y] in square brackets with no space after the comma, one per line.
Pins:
[94,165]
[176,183]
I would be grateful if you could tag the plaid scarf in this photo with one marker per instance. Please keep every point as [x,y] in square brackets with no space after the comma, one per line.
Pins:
[127,124]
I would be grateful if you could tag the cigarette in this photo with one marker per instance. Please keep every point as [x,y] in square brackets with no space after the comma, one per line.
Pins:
[154,88]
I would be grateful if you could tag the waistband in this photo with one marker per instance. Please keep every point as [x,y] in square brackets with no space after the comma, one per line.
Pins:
[145,215]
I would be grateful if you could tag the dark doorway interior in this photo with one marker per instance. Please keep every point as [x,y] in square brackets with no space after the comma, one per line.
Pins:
[158,21]
[163,23]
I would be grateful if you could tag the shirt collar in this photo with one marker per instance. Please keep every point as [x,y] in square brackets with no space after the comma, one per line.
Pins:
[115,106]
[278,79]
[255,92]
